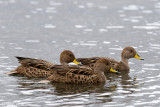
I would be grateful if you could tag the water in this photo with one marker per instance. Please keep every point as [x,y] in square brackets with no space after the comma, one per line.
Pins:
[43,29]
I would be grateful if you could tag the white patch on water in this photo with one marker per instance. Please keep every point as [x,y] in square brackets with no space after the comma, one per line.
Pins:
[116,48]
[88,30]
[51,10]
[136,17]
[79,26]
[115,27]
[157,5]
[33,41]
[143,51]
[131,63]
[103,7]
[103,30]
[90,5]
[92,41]
[122,15]
[75,43]
[55,3]
[53,41]
[12,1]
[150,65]
[104,94]
[151,69]
[133,7]
[30,92]
[123,91]
[34,2]
[106,42]
[112,53]
[67,41]
[147,11]
[152,96]
[134,20]
[88,44]
[39,9]
[3,27]
[118,97]
[154,24]
[4,57]
[145,27]
[49,26]
[156,45]
[19,48]
[81,6]
[28,16]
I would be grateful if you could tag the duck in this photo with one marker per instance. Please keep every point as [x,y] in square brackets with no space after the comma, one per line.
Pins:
[78,75]
[127,53]
[40,68]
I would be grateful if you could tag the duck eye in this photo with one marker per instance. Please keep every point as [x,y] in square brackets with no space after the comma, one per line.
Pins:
[70,55]
[131,51]
[107,64]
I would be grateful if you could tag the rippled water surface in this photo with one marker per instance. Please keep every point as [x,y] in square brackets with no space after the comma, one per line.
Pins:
[44,28]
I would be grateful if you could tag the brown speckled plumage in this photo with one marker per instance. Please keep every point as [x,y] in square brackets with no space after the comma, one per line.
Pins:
[78,75]
[40,68]
[29,71]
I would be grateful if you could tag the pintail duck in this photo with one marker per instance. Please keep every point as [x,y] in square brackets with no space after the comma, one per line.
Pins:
[40,68]
[127,53]
[78,75]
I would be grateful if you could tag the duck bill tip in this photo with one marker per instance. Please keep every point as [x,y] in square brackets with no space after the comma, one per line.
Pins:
[138,57]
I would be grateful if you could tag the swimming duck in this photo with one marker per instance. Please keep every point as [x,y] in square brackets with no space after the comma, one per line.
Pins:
[40,68]
[78,75]
[127,53]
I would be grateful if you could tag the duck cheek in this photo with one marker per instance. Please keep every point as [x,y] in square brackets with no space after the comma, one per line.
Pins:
[107,69]
[68,60]
[131,55]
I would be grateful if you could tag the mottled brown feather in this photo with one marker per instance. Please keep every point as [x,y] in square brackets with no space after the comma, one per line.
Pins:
[81,75]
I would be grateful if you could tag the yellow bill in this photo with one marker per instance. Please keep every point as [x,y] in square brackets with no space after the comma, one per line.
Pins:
[138,57]
[111,70]
[76,62]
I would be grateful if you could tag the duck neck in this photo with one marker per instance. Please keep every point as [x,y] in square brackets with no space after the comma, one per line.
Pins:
[124,60]
[64,63]
[101,76]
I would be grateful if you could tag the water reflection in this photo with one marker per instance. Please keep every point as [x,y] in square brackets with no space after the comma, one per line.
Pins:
[124,80]
[62,88]
[86,94]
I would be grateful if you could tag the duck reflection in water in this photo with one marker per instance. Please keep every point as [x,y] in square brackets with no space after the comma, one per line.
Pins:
[89,91]
[124,80]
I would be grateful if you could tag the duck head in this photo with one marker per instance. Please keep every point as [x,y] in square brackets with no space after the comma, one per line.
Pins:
[130,52]
[104,65]
[66,57]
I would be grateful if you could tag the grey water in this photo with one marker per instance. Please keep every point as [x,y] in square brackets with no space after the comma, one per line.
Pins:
[44,28]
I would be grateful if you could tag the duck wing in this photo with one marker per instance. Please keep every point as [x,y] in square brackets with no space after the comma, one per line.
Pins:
[73,74]
[36,63]
[89,62]
[78,70]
